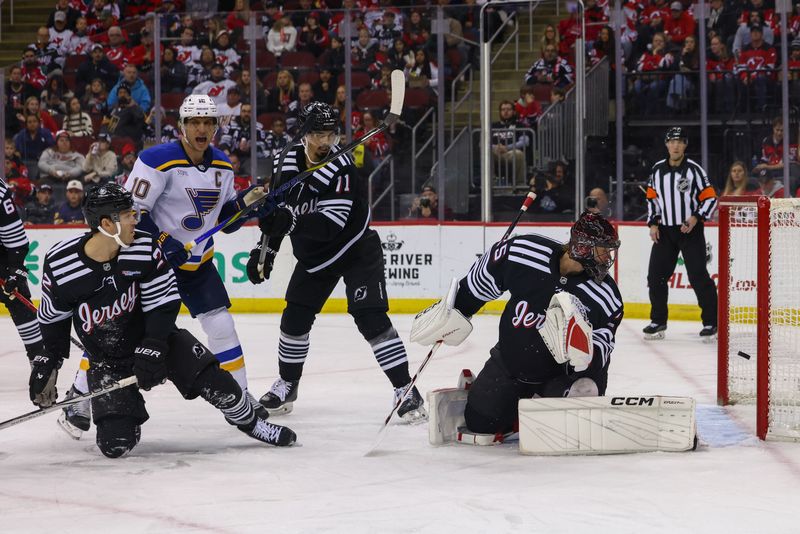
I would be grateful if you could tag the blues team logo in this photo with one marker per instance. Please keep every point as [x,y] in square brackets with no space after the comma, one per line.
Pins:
[204,202]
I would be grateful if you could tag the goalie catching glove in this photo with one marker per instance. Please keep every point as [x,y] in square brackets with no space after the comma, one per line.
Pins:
[566,332]
[441,322]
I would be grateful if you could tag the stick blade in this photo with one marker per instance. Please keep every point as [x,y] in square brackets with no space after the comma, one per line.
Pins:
[398,92]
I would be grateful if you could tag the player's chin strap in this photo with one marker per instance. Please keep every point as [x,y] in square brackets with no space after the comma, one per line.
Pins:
[115,237]
[308,156]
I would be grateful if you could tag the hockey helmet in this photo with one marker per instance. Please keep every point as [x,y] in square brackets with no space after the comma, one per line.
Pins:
[106,200]
[590,231]
[676,132]
[197,106]
[319,117]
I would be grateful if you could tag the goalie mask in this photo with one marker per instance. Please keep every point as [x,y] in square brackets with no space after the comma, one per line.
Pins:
[593,243]
[106,201]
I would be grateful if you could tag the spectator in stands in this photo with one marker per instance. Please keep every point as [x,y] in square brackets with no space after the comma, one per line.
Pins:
[527,108]
[651,83]
[238,18]
[101,162]
[770,184]
[60,163]
[324,89]
[737,182]
[424,73]
[794,70]
[173,73]
[341,105]
[771,158]
[722,82]
[72,14]
[127,160]
[313,37]
[56,94]
[126,119]
[283,94]
[382,79]
[550,69]
[277,138]
[231,108]
[417,30]
[49,56]
[599,200]
[569,30]
[225,53]
[201,71]
[386,33]
[603,46]
[744,33]
[756,68]
[552,194]
[244,90]
[32,73]
[168,134]
[426,205]
[31,143]
[60,35]
[595,17]
[722,21]
[118,51]
[70,212]
[333,57]
[17,93]
[241,181]
[141,55]
[681,87]
[99,67]
[400,56]
[304,97]
[549,37]
[21,187]
[378,145]
[40,210]
[679,25]
[138,90]
[236,137]
[187,52]
[94,100]
[80,43]
[76,121]
[13,156]
[509,145]
[363,50]
[282,37]
[217,86]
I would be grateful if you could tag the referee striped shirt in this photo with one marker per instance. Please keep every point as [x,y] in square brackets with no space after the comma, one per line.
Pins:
[676,193]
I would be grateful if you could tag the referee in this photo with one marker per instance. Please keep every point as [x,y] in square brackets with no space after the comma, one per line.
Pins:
[679,199]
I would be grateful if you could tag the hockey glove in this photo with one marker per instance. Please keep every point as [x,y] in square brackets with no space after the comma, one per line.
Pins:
[18,278]
[42,383]
[150,363]
[248,196]
[173,250]
[253,274]
[567,333]
[281,221]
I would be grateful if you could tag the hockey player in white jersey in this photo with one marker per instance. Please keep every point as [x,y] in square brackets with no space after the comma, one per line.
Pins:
[183,189]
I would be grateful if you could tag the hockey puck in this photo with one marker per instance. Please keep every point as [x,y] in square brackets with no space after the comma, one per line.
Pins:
[743,355]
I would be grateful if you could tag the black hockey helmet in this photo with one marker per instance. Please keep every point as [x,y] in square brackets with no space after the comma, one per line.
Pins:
[319,117]
[106,200]
[592,230]
[676,132]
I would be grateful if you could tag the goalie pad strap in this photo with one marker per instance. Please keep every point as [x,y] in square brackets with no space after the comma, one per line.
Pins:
[606,425]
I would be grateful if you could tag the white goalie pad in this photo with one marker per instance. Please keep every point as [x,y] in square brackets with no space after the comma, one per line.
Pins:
[440,322]
[445,414]
[606,425]
[566,332]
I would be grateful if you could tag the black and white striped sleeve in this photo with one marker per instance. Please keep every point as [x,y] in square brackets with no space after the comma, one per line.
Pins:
[484,280]
[54,315]
[12,233]
[607,309]
[159,288]
[336,186]
[653,206]
[703,193]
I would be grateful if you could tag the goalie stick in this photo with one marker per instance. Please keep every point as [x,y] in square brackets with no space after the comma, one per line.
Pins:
[396,107]
[125,382]
[384,429]
[28,304]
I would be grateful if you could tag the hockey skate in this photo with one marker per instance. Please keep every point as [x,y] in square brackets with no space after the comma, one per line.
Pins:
[280,398]
[412,410]
[262,430]
[76,418]
[708,334]
[258,408]
[654,331]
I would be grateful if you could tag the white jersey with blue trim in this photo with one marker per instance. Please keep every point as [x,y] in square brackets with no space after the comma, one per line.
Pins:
[183,199]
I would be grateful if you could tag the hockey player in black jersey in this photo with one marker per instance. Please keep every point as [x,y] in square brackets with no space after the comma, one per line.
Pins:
[14,274]
[114,285]
[557,330]
[327,218]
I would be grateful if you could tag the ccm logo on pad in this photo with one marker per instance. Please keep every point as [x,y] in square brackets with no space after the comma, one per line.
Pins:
[632,401]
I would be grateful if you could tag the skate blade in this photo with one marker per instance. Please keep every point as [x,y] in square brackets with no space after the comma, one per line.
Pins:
[654,337]
[72,431]
[283,409]
[709,340]
[415,417]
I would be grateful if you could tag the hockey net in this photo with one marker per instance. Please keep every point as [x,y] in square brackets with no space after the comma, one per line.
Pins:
[759,311]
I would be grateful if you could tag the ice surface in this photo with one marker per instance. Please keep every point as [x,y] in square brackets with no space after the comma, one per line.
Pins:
[194,473]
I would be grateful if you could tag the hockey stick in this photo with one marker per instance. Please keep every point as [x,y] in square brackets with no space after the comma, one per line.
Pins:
[382,432]
[396,107]
[125,382]
[28,304]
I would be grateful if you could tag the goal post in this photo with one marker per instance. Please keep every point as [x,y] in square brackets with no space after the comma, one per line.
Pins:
[759,311]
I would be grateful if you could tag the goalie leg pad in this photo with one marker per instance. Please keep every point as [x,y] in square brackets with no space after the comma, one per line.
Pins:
[446,414]
[606,425]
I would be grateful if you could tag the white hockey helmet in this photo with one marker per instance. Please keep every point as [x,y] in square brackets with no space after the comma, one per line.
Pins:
[197,106]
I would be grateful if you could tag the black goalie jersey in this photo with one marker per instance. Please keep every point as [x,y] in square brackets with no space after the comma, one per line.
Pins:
[113,305]
[528,267]
[331,209]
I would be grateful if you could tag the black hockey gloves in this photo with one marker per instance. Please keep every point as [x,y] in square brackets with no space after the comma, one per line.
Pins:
[173,250]
[14,281]
[150,363]
[42,383]
[253,274]
[280,221]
